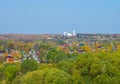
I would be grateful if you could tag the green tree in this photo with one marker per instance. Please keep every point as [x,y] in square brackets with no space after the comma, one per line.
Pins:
[10,73]
[28,65]
[17,80]
[66,65]
[1,72]
[45,76]
[54,56]
[2,59]
[60,42]
[34,77]
[76,78]
[56,76]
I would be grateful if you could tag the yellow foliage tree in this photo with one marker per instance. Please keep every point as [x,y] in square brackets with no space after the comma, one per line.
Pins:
[16,55]
[6,54]
[87,48]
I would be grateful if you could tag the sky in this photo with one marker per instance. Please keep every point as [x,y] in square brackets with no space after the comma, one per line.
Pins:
[58,16]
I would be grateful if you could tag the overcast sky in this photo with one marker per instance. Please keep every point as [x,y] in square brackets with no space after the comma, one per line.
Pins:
[57,16]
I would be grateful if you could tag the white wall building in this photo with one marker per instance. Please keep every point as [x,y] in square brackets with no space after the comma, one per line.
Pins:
[69,34]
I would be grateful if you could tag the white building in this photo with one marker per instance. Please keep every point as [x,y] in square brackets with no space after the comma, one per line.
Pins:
[74,34]
[69,34]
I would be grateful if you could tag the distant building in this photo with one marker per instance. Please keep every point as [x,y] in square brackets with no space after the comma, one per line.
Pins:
[69,35]
[65,34]
[9,59]
[74,34]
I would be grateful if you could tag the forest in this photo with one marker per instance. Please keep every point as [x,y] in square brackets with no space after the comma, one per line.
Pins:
[59,62]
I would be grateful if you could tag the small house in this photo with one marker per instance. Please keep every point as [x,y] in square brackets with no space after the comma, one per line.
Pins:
[9,59]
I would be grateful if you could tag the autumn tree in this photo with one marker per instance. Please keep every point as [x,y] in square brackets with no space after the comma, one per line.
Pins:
[11,45]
